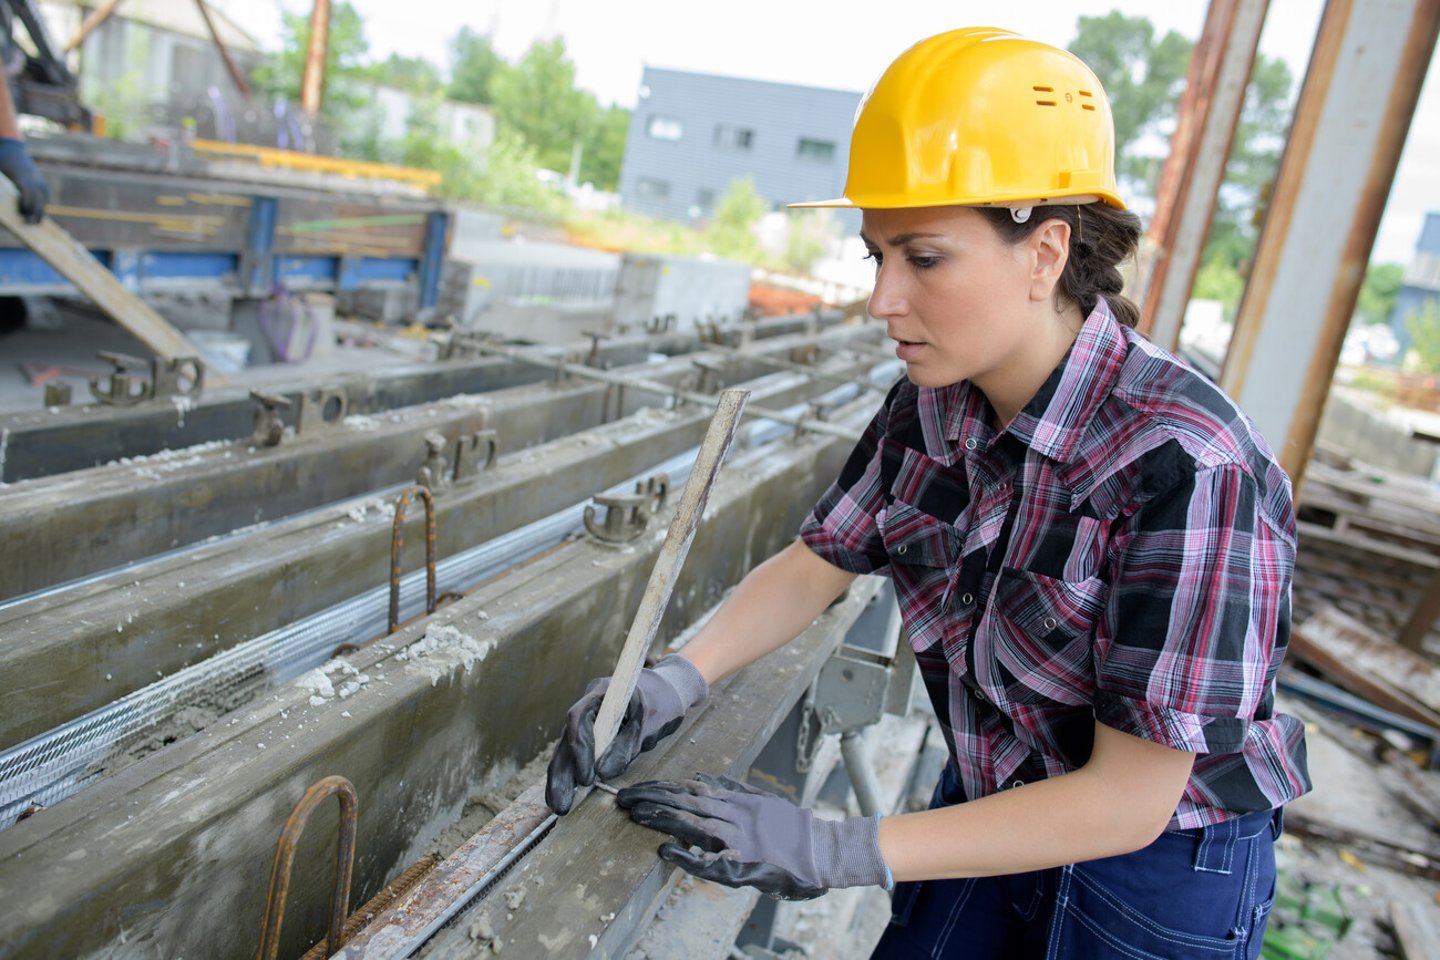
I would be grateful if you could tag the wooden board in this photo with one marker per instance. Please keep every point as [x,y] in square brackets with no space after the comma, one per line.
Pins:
[55,246]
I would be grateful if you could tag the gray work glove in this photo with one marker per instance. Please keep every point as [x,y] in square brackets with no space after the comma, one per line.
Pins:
[662,696]
[17,166]
[756,839]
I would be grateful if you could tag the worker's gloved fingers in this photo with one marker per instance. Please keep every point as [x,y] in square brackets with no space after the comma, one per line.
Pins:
[725,868]
[573,763]
[721,784]
[686,827]
[627,743]
[34,194]
[658,791]
[560,781]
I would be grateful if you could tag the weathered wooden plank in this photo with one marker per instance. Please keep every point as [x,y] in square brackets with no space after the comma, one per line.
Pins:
[56,247]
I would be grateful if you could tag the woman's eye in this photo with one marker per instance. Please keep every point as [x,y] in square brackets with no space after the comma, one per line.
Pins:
[873,255]
[924,263]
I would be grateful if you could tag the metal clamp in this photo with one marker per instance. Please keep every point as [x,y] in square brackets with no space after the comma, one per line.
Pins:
[593,360]
[167,377]
[324,407]
[123,389]
[432,473]
[397,541]
[285,860]
[468,453]
[627,515]
[711,374]
[269,428]
[656,488]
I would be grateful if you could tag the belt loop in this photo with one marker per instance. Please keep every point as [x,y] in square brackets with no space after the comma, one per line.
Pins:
[1215,847]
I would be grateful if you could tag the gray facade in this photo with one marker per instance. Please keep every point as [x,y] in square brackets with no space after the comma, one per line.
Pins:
[692,134]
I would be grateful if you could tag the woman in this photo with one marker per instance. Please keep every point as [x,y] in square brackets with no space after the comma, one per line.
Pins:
[1091,546]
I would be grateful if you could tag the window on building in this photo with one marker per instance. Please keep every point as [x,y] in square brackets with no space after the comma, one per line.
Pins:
[703,206]
[649,188]
[661,127]
[728,137]
[819,151]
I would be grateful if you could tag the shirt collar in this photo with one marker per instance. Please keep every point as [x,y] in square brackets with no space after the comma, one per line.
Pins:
[1056,418]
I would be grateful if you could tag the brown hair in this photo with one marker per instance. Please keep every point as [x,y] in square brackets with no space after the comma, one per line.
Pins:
[1101,238]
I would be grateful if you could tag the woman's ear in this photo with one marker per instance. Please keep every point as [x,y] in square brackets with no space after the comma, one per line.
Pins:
[1050,246]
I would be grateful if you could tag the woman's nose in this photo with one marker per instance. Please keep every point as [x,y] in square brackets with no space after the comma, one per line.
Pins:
[886,299]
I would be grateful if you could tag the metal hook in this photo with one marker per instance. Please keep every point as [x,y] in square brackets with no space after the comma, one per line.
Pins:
[397,540]
[285,860]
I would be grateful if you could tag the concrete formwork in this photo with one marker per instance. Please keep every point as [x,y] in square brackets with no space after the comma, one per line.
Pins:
[72,651]
[170,854]
[90,520]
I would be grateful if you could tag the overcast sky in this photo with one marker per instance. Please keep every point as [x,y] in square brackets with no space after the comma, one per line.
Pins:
[842,44]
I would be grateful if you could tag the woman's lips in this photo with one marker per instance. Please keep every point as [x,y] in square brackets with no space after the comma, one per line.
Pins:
[908,350]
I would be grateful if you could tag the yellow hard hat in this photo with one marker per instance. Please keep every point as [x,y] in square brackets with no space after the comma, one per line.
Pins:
[981,116]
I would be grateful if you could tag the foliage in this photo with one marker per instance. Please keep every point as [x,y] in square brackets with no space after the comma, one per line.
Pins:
[473,62]
[414,75]
[1424,327]
[1379,292]
[1142,75]
[806,239]
[605,149]
[1218,279]
[537,98]
[347,76]
[731,233]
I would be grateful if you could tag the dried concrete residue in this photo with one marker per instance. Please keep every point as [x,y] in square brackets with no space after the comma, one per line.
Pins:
[322,686]
[168,461]
[482,931]
[359,421]
[382,508]
[183,405]
[443,648]
[482,808]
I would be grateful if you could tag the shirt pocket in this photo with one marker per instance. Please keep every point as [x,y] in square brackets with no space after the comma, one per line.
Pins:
[924,552]
[1038,639]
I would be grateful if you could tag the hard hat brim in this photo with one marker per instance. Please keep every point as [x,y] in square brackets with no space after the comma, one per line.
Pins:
[900,202]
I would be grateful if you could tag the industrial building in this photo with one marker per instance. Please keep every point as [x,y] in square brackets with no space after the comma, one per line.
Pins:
[286,647]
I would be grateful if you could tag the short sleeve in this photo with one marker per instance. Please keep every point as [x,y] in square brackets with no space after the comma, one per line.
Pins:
[1199,605]
[842,528]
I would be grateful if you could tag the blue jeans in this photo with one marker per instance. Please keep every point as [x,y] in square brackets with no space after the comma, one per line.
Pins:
[1203,893]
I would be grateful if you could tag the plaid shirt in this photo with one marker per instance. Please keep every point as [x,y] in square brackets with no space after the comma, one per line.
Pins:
[1121,552]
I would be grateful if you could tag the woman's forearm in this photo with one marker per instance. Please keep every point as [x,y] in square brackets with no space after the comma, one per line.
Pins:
[1118,802]
[773,604]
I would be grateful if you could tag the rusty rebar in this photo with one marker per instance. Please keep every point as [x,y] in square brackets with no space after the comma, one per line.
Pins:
[397,540]
[373,907]
[285,860]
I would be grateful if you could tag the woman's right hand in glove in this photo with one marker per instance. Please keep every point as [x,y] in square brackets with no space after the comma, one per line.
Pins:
[662,696]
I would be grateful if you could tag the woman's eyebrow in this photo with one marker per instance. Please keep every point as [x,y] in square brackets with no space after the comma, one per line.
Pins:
[899,240]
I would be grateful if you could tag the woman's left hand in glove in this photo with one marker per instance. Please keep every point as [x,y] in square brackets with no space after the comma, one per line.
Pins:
[748,837]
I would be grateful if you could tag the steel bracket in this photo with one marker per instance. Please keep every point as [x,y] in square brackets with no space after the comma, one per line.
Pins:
[475,452]
[325,407]
[269,428]
[167,377]
[432,474]
[124,389]
[626,517]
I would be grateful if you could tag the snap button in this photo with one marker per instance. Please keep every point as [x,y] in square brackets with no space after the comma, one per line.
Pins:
[1049,623]
[1018,783]
[979,694]
[968,599]
[902,549]
[971,443]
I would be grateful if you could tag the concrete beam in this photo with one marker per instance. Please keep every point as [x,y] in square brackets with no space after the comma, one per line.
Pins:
[67,653]
[170,854]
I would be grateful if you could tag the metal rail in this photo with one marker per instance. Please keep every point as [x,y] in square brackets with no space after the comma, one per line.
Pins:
[660,389]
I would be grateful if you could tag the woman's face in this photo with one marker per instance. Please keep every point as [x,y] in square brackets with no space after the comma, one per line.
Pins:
[959,300]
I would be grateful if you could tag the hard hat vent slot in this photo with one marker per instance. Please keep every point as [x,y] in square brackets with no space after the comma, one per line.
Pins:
[1043,89]
[1045,103]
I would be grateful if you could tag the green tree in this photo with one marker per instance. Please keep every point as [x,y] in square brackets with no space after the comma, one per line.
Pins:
[806,237]
[731,232]
[605,148]
[1142,74]
[537,98]
[1379,292]
[473,62]
[347,74]
[1218,279]
[1424,327]
[414,75]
